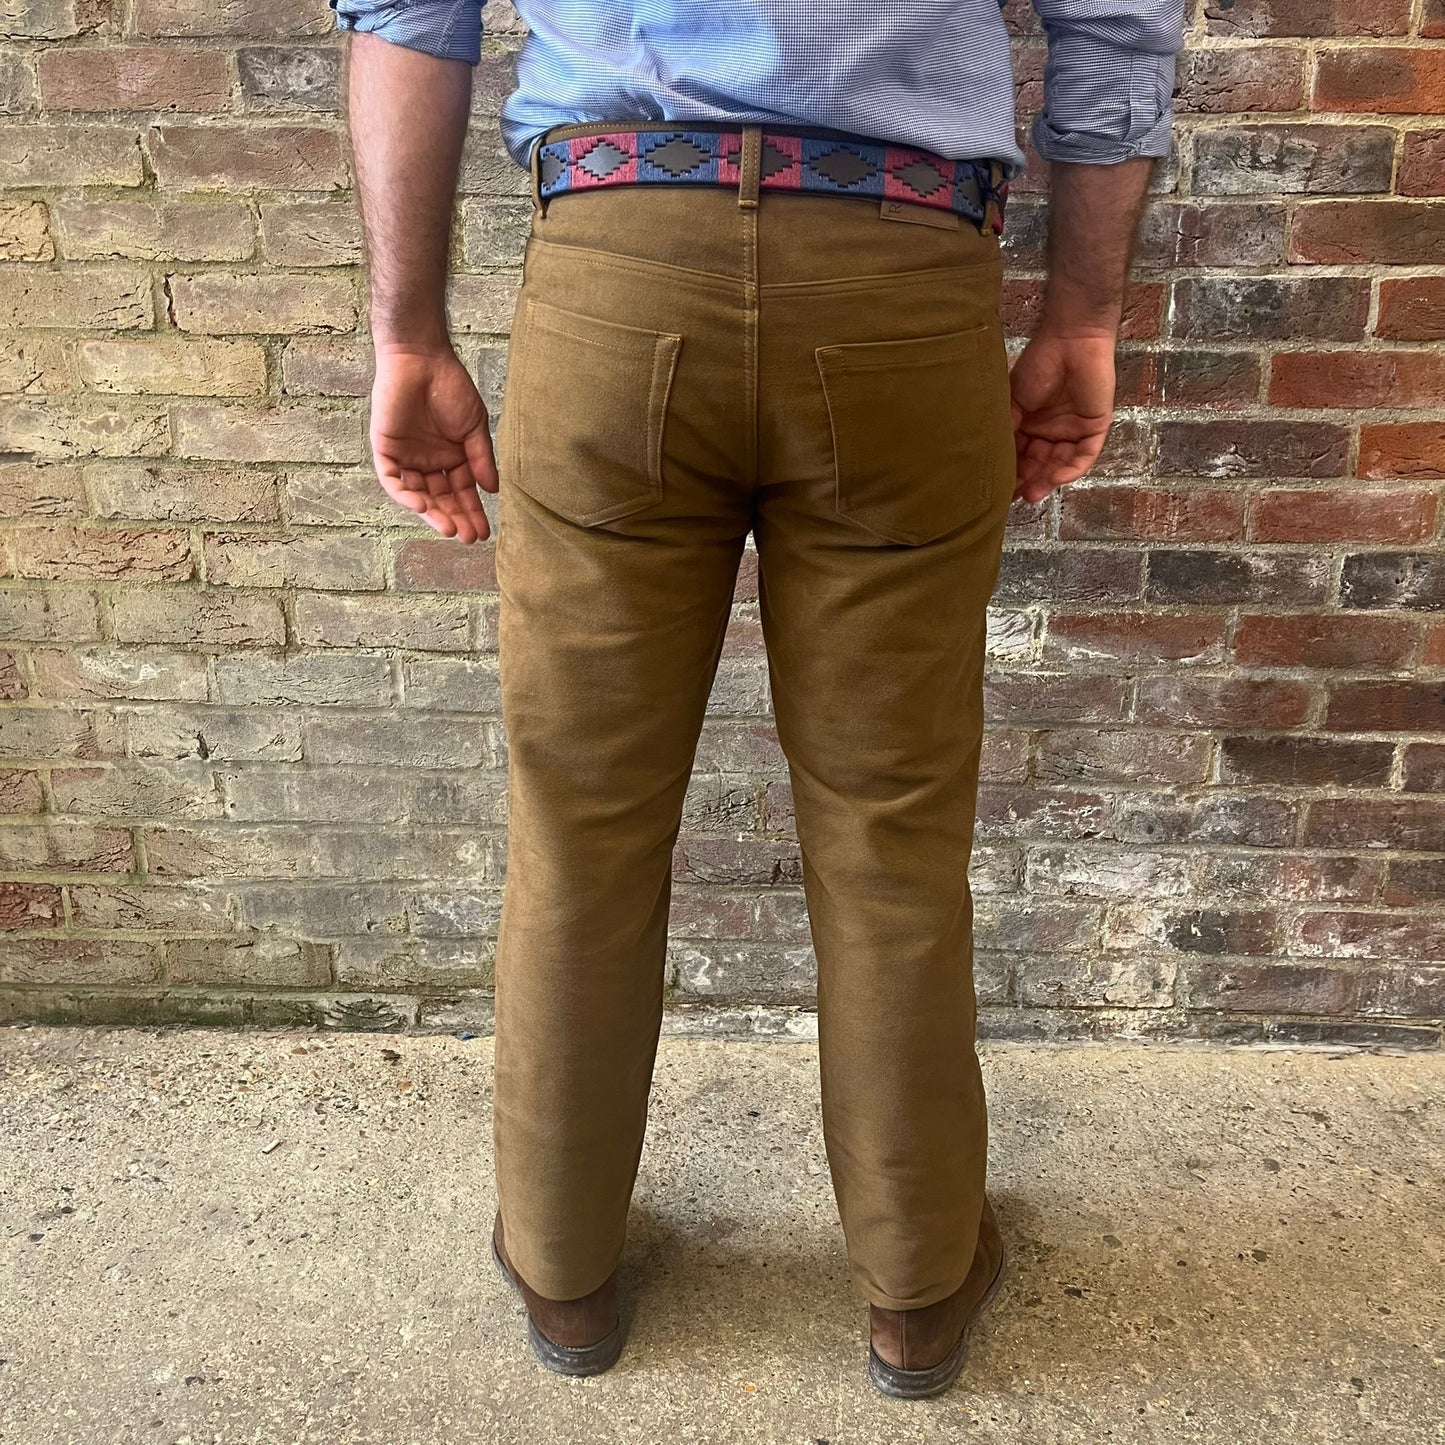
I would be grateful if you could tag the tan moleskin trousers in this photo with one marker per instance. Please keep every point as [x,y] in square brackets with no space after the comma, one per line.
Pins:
[687,365]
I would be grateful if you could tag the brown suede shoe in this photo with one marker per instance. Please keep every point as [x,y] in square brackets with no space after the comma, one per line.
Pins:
[572,1337]
[919,1352]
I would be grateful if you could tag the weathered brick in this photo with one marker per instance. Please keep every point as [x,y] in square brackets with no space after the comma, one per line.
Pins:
[474,798]
[290,77]
[1387,707]
[1411,882]
[1030,575]
[70,155]
[1230,448]
[1326,18]
[1226,701]
[1380,79]
[1305,762]
[1270,308]
[127,790]
[31,905]
[1200,576]
[153,229]
[28,490]
[304,680]
[48,614]
[83,962]
[436,565]
[311,367]
[59,431]
[25,232]
[1323,640]
[184,734]
[248,19]
[296,433]
[135,78]
[13,686]
[1191,930]
[1034,699]
[247,157]
[65,553]
[173,367]
[257,960]
[21,792]
[424,624]
[1414,824]
[66,676]
[1133,636]
[1377,233]
[65,848]
[36,364]
[495,232]
[1403,992]
[1369,935]
[173,908]
[34,732]
[1422,164]
[1332,515]
[483,302]
[17,83]
[311,233]
[1273,987]
[191,494]
[1107,873]
[1172,514]
[220,304]
[1412,309]
[307,559]
[414,963]
[1122,755]
[115,298]
[1410,449]
[1293,160]
[1219,81]
[1422,768]
[214,617]
[1409,580]
[1061,982]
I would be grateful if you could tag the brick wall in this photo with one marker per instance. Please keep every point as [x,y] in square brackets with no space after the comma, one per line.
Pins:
[250,761]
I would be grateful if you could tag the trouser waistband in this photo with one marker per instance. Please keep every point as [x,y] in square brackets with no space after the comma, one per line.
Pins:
[754,158]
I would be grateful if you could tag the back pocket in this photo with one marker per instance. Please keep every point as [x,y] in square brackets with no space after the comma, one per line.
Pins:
[584,411]
[916,429]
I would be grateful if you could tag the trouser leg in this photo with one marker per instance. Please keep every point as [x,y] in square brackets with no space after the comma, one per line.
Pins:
[876,650]
[617,553]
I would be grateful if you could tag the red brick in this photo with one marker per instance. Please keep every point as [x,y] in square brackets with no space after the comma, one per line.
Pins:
[1357,379]
[1432,22]
[1414,881]
[1323,640]
[1270,987]
[1433,654]
[30,905]
[20,791]
[1195,379]
[1423,770]
[1332,515]
[1022,305]
[135,78]
[1222,702]
[59,553]
[1231,448]
[1305,762]
[1247,78]
[246,157]
[1377,233]
[1422,167]
[1412,707]
[1411,824]
[1151,514]
[1134,637]
[1412,309]
[1411,449]
[1381,80]
[1327,18]
[1370,935]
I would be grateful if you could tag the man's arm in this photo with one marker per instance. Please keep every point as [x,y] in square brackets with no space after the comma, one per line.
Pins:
[407,111]
[1106,118]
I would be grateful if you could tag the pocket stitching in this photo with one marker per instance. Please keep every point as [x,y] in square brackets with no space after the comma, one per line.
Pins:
[834,362]
[665,349]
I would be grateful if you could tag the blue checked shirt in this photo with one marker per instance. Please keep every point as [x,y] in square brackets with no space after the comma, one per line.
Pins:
[930,73]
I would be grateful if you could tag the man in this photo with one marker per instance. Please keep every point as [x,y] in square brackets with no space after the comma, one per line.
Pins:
[760,295]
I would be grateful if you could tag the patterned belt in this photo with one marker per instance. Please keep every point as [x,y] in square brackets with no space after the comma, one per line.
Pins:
[827,163]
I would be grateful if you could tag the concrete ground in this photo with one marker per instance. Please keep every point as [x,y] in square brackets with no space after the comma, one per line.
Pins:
[270,1237]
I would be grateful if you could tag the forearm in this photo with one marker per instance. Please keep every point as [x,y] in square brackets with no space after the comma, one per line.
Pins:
[407,114]
[1094,213]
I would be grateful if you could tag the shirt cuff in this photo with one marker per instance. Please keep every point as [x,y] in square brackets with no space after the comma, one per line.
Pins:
[448,29]
[1104,104]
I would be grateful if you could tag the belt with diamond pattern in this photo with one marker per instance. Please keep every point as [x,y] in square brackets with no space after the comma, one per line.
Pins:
[827,163]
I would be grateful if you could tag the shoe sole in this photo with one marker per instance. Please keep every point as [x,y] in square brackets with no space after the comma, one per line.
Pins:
[920,1384]
[573,1361]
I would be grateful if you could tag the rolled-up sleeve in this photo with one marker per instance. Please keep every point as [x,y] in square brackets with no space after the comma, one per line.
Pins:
[1109,80]
[449,29]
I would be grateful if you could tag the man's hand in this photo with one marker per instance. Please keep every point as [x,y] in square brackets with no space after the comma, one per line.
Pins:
[1063,382]
[1063,402]
[429,439]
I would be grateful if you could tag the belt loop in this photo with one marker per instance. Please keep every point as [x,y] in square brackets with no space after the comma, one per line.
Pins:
[535,167]
[750,166]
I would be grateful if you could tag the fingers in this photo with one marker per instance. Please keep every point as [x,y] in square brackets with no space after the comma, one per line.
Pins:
[481,458]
